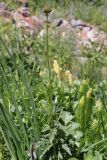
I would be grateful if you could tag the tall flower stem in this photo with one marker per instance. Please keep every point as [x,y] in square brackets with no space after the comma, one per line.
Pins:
[47,11]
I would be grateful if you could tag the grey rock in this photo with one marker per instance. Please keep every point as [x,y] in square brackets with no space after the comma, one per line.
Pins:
[3,6]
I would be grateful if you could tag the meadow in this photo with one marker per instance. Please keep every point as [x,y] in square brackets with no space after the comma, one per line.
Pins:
[53,106]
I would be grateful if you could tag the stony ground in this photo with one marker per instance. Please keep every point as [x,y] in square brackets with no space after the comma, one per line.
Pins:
[22,17]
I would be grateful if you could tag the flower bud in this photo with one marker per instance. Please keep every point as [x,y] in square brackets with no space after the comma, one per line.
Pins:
[99,105]
[84,82]
[89,93]
[82,101]
[56,68]
[94,124]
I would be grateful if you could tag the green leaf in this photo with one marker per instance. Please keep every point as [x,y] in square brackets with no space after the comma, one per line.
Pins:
[89,156]
[66,148]
[98,156]
[60,155]
[45,150]
[78,135]
[52,135]
[66,117]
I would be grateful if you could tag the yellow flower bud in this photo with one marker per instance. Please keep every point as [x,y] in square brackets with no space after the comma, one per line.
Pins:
[82,101]
[41,73]
[69,76]
[84,82]
[99,105]
[83,85]
[94,124]
[89,93]
[56,68]
[81,88]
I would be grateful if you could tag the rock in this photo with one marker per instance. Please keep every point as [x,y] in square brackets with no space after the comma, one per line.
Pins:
[86,36]
[4,13]
[91,35]
[37,22]
[5,16]
[3,6]
[22,19]
[78,23]
[62,26]
[24,11]
[102,38]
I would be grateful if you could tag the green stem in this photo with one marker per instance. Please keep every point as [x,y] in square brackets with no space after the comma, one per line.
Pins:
[48,63]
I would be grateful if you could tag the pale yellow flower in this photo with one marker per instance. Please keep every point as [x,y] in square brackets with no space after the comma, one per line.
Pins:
[69,76]
[41,73]
[84,82]
[56,68]
[94,123]
[89,93]
[99,105]
[82,101]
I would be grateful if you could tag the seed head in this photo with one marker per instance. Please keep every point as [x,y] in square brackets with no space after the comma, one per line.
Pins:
[47,11]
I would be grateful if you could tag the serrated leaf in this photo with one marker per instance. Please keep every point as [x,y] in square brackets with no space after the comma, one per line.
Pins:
[52,135]
[60,155]
[75,125]
[66,117]
[46,150]
[78,135]
[77,144]
[66,148]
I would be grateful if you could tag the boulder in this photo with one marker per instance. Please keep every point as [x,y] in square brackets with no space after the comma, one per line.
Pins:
[22,19]
[3,6]
[4,13]
[62,26]
[5,16]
